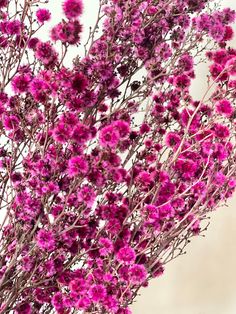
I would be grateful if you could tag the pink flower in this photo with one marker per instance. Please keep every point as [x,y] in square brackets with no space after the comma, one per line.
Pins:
[79,83]
[45,240]
[137,274]
[221,130]
[107,246]
[32,43]
[87,196]
[72,8]
[39,89]
[24,308]
[43,15]
[57,301]
[219,178]
[232,183]
[11,27]
[109,137]
[20,83]
[231,66]
[83,303]
[97,293]
[11,122]
[77,165]
[62,132]
[81,134]
[46,53]
[67,32]
[172,139]
[3,3]
[224,107]
[110,304]
[122,127]
[126,255]
[182,81]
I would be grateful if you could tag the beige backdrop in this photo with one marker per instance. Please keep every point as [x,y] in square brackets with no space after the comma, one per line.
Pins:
[204,280]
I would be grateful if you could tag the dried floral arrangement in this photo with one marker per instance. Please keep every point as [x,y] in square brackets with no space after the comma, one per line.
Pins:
[108,167]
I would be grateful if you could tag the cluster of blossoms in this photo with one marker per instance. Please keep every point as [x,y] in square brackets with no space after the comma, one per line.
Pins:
[109,167]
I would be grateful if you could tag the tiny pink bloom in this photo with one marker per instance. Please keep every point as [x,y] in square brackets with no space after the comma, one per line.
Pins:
[79,83]
[83,303]
[43,15]
[87,195]
[224,107]
[45,240]
[97,292]
[77,165]
[221,131]
[106,246]
[126,255]
[20,83]
[172,139]
[72,8]
[24,308]
[11,122]
[137,274]
[109,137]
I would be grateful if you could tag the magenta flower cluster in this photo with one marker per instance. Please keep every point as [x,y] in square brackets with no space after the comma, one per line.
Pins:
[109,167]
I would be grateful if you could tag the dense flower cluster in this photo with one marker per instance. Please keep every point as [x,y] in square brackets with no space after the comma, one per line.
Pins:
[110,166]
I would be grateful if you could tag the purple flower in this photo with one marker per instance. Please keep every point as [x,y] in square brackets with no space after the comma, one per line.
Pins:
[224,107]
[24,308]
[137,274]
[172,139]
[11,122]
[97,292]
[3,3]
[72,8]
[109,137]
[79,83]
[46,53]
[43,15]
[62,132]
[83,303]
[107,246]
[46,240]
[20,83]
[77,165]
[57,301]
[221,130]
[126,255]
[87,195]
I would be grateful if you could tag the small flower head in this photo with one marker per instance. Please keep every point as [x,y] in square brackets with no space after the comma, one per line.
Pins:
[126,255]
[224,107]
[24,308]
[109,137]
[97,293]
[43,15]
[72,8]
[3,3]
[87,196]
[221,131]
[172,139]
[138,274]
[77,165]
[20,83]
[79,83]
[45,240]
[106,246]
